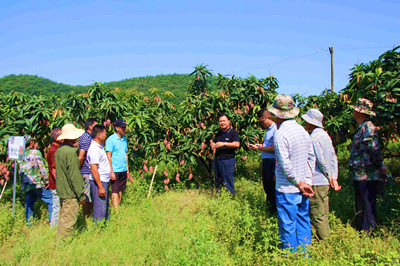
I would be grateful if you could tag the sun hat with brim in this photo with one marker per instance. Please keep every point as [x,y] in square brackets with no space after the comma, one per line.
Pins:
[363,106]
[69,131]
[283,107]
[313,117]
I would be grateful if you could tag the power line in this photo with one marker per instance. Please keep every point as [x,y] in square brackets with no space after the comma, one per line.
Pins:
[297,57]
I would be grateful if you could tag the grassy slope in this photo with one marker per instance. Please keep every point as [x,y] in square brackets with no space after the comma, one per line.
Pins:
[187,227]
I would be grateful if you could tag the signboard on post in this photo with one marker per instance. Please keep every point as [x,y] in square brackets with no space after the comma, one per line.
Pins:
[16,150]
[16,147]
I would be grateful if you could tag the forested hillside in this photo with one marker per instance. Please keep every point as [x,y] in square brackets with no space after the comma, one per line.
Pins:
[177,84]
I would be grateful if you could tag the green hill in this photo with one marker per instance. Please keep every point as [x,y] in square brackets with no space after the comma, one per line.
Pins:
[36,85]
[29,84]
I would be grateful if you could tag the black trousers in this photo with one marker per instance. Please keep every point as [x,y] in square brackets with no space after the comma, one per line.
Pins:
[365,204]
[268,173]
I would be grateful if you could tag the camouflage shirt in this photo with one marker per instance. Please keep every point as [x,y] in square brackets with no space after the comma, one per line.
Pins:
[365,154]
[34,168]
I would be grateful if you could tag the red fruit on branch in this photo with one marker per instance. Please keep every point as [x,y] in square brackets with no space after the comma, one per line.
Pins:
[145,161]
[108,122]
[166,173]
[203,145]
[244,158]
[166,181]
[166,188]
[182,162]
[151,169]
[168,146]
[140,172]
[142,175]
[190,176]
[198,77]
[177,177]
[145,168]
[165,142]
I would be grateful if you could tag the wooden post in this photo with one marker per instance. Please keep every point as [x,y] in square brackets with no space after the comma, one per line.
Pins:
[332,81]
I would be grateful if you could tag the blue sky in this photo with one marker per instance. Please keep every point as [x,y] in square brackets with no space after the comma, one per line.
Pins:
[79,42]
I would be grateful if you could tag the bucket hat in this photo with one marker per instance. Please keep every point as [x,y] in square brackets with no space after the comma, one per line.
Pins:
[314,117]
[363,106]
[283,107]
[69,131]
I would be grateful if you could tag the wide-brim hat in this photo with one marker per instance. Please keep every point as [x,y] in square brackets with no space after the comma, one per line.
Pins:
[283,107]
[69,131]
[363,106]
[313,117]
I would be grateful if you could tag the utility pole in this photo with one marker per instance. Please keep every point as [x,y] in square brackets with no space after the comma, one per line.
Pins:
[332,82]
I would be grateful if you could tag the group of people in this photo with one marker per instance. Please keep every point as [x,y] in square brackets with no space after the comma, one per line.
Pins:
[81,165]
[299,165]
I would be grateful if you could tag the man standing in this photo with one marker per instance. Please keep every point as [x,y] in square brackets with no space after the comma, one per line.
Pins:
[34,181]
[326,172]
[224,145]
[294,170]
[101,171]
[70,184]
[268,157]
[365,164]
[117,154]
[84,142]
[55,143]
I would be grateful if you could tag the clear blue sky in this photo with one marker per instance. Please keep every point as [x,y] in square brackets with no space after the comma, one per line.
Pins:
[78,42]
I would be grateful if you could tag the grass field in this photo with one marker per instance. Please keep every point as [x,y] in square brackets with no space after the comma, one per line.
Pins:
[193,227]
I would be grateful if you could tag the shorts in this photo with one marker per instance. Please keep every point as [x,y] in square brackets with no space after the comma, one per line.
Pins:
[119,184]
[86,190]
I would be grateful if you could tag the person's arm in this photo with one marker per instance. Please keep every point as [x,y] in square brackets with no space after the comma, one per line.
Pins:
[127,169]
[76,180]
[82,156]
[112,176]
[319,155]
[96,176]
[235,144]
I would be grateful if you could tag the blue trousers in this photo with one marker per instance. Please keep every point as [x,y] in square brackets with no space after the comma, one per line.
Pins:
[224,171]
[100,205]
[293,220]
[30,198]
[365,204]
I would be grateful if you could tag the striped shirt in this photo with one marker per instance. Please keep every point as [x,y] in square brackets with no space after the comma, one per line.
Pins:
[295,159]
[84,142]
[327,164]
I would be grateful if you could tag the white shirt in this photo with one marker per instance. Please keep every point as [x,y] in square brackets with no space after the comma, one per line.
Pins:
[295,159]
[97,155]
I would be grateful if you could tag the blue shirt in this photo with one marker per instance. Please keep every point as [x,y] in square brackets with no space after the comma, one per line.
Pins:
[118,148]
[269,141]
[295,159]
[84,142]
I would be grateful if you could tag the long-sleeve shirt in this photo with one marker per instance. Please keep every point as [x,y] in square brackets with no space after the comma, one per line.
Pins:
[365,154]
[69,182]
[327,163]
[33,168]
[295,159]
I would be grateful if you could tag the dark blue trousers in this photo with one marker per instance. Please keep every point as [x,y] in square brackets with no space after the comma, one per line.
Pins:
[224,172]
[268,173]
[365,204]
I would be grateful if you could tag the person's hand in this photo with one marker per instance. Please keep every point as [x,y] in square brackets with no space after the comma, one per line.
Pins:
[46,185]
[334,184]
[113,177]
[305,189]
[102,192]
[219,144]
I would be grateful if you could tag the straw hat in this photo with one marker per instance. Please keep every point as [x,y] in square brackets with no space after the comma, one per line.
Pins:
[313,117]
[69,131]
[283,107]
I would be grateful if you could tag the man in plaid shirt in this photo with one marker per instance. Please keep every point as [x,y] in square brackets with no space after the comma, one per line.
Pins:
[295,166]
